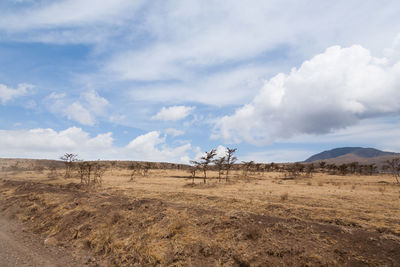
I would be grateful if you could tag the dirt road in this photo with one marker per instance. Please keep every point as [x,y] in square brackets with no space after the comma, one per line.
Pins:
[19,248]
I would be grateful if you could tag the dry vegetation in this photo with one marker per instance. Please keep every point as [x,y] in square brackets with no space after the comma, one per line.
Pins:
[254,218]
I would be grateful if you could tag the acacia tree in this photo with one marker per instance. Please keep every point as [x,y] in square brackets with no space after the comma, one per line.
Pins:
[322,166]
[193,169]
[91,173]
[69,160]
[310,169]
[112,166]
[230,160]
[220,162]
[394,167]
[247,166]
[206,160]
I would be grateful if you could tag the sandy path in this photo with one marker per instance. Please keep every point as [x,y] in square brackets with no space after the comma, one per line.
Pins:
[19,248]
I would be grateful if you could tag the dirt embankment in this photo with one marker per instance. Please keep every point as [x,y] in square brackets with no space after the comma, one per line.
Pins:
[123,230]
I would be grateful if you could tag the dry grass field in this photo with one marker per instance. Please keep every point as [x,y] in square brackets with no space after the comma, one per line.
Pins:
[163,219]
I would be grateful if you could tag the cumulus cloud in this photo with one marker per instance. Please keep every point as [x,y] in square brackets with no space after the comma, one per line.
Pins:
[173,113]
[48,143]
[7,93]
[331,91]
[152,147]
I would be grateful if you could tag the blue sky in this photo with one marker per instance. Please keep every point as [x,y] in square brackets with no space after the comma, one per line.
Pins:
[168,80]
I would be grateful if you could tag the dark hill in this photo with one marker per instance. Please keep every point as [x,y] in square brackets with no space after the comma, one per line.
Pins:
[359,152]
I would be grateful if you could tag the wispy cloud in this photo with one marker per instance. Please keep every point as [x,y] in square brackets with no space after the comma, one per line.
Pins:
[7,93]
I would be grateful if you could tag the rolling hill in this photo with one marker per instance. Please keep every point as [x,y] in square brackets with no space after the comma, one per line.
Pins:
[351,154]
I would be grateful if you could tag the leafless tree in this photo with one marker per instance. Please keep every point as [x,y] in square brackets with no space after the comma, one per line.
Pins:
[52,172]
[247,167]
[230,160]
[194,168]
[85,170]
[322,166]
[394,167]
[295,170]
[112,166]
[220,163]
[135,170]
[91,173]
[206,160]
[69,160]
[310,169]
[140,169]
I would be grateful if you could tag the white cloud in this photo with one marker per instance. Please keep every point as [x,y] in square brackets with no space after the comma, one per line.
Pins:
[7,94]
[55,95]
[85,110]
[78,113]
[48,143]
[173,113]
[227,87]
[95,103]
[221,151]
[333,90]
[68,13]
[152,147]
[174,132]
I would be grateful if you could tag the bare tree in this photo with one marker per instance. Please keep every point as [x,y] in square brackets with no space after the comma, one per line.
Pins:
[394,167]
[343,169]
[140,169]
[193,169]
[91,173]
[98,172]
[220,163]
[112,166]
[135,170]
[294,170]
[230,160]
[52,172]
[206,160]
[247,167]
[310,169]
[322,166]
[69,160]
[85,170]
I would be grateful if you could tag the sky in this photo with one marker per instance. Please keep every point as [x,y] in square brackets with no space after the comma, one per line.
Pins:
[168,80]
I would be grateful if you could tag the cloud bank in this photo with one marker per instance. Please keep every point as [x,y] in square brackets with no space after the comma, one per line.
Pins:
[331,91]
[48,143]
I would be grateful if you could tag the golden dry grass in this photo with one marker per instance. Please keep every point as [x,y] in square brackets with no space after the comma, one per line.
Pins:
[163,219]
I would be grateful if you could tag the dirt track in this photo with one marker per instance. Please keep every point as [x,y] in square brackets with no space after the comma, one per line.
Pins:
[19,248]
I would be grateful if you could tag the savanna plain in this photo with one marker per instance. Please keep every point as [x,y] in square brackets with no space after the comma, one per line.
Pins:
[166,217]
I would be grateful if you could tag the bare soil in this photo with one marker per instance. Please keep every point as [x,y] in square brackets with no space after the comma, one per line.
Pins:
[22,248]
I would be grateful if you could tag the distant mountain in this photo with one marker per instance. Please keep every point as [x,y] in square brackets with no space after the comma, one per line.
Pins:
[349,154]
